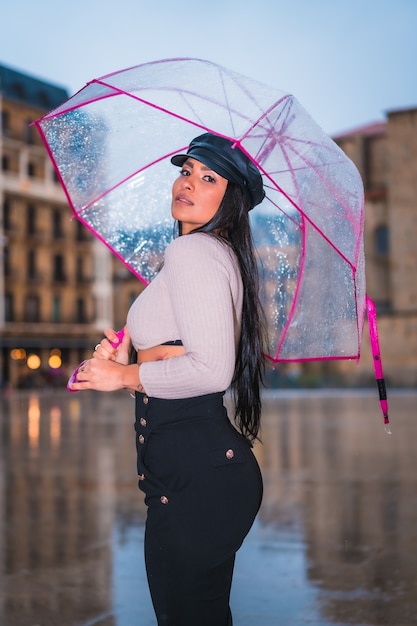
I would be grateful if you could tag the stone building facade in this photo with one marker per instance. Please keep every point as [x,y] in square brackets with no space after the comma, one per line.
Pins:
[59,287]
[386,156]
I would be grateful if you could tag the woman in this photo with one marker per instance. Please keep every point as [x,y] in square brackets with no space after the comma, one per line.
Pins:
[198,328]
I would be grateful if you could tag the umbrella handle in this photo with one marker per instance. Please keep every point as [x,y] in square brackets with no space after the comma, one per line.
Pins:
[120,334]
[376,355]
[73,377]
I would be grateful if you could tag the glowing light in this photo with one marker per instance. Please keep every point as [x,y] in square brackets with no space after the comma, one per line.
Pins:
[54,361]
[18,354]
[34,415]
[75,410]
[55,425]
[33,362]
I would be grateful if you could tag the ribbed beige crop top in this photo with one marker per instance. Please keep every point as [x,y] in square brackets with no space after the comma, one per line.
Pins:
[196,297]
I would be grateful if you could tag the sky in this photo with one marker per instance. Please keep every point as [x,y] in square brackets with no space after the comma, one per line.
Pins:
[347,62]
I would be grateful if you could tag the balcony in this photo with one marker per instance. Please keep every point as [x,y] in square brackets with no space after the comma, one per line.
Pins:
[48,334]
[33,187]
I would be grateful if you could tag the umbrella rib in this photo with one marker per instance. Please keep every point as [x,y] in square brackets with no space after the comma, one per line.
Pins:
[349,214]
[236,80]
[112,249]
[309,166]
[158,107]
[283,211]
[286,107]
[308,219]
[118,91]
[124,180]
[235,112]
[60,111]
[265,116]
[291,170]
[315,168]
[227,101]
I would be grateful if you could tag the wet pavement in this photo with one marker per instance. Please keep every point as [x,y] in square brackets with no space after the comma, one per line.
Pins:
[335,542]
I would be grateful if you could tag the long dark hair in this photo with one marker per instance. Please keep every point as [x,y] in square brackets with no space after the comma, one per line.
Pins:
[231,224]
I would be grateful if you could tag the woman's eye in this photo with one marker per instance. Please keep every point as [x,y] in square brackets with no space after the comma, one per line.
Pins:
[184,172]
[209,178]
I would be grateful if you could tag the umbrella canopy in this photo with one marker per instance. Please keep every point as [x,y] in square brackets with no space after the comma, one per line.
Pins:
[111,145]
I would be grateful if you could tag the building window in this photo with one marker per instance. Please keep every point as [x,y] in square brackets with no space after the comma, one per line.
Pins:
[6,262]
[31,171]
[31,220]
[5,163]
[44,99]
[80,313]
[31,268]
[56,309]
[58,265]
[19,90]
[6,215]
[32,308]
[381,240]
[57,224]
[28,132]
[8,307]
[5,122]
[80,269]
[81,231]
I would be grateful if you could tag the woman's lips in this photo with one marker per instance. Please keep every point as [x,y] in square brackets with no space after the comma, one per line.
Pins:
[183,199]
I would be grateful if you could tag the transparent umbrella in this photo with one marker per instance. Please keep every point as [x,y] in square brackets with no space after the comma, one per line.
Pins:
[111,145]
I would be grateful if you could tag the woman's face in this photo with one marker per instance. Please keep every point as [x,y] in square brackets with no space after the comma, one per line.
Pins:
[196,195]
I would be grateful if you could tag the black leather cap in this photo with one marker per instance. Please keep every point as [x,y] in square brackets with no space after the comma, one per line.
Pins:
[231,163]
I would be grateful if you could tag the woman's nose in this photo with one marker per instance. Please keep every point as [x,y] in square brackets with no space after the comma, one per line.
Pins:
[186,182]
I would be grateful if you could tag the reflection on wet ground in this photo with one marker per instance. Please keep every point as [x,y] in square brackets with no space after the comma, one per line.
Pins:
[335,542]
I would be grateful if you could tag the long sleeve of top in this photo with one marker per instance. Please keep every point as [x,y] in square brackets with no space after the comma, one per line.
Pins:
[196,297]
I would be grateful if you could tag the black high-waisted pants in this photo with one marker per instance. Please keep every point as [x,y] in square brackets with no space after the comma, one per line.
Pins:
[203,489]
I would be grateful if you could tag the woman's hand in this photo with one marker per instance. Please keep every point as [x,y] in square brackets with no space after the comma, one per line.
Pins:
[109,369]
[105,374]
[106,351]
